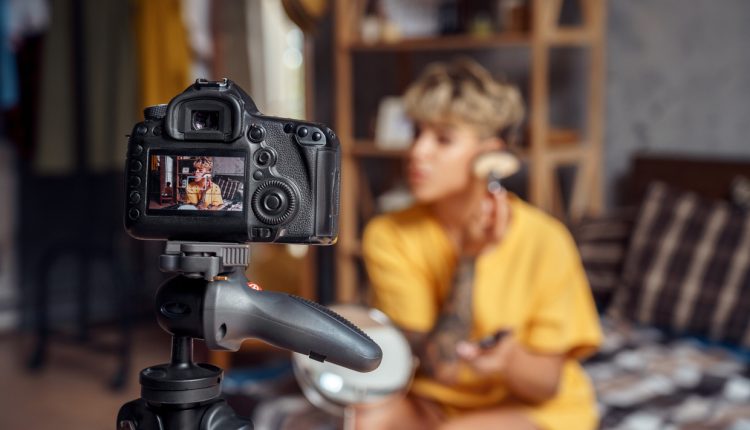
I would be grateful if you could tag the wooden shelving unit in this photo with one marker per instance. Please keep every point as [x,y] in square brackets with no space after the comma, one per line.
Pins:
[547,148]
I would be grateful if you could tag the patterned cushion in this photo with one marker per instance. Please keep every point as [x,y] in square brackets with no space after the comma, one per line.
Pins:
[740,192]
[603,242]
[229,187]
[687,269]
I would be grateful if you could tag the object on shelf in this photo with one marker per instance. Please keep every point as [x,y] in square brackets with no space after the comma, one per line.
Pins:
[481,25]
[449,21]
[512,15]
[376,29]
[371,29]
[412,18]
[393,128]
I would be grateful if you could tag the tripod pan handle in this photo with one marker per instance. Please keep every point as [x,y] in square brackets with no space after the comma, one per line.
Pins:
[233,313]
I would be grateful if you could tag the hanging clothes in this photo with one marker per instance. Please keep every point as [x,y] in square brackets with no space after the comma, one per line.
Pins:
[8,72]
[164,59]
[109,73]
[197,18]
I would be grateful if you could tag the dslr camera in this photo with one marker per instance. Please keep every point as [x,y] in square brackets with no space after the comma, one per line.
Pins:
[210,167]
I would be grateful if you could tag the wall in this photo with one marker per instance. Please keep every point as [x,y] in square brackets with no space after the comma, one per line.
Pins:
[678,80]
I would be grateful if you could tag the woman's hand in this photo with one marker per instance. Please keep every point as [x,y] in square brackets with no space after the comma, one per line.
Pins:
[486,223]
[530,376]
[491,362]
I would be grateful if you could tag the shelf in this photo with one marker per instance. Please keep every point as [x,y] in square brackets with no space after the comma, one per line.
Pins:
[567,153]
[570,36]
[369,149]
[444,43]
[566,36]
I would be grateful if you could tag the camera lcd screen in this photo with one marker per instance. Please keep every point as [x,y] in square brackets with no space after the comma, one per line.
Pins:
[196,185]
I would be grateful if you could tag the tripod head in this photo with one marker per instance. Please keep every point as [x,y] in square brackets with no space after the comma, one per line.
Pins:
[211,299]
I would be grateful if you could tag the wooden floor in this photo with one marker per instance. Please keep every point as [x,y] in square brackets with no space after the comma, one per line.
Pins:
[71,392]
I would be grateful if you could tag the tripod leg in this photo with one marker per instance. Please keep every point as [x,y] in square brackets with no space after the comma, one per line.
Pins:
[41,294]
[84,297]
[124,285]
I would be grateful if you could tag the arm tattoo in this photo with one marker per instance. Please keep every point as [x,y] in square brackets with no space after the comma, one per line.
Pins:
[454,322]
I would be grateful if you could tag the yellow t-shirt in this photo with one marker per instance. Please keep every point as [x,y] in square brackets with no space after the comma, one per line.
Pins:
[532,283]
[195,193]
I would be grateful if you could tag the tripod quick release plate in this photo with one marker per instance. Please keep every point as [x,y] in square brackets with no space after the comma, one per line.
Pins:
[203,259]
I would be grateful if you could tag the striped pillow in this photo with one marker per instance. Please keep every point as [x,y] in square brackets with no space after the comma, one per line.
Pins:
[687,269]
[602,242]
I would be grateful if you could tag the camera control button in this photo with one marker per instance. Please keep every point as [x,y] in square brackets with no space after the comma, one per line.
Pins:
[258,175]
[134,213]
[263,158]
[156,131]
[273,202]
[135,197]
[256,133]
[310,136]
[134,181]
[141,130]
[262,232]
[288,127]
[137,149]
[136,166]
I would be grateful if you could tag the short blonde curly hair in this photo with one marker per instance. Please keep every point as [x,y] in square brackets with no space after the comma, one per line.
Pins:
[204,162]
[464,91]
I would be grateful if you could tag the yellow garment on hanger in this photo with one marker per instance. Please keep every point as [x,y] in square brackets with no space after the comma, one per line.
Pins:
[163,50]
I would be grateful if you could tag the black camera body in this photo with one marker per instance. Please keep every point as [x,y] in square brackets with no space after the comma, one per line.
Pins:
[210,167]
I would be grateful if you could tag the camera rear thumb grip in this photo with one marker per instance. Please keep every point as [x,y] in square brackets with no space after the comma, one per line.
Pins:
[233,313]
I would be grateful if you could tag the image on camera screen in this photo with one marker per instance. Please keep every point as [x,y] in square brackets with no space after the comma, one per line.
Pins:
[186,184]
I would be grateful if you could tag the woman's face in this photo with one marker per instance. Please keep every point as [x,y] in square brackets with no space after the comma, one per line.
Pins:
[200,171]
[440,160]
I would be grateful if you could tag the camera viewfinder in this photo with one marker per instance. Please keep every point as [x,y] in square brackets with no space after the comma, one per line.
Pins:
[205,120]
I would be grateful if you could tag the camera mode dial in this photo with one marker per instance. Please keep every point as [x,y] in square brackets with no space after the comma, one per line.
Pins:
[155,112]
[274,202]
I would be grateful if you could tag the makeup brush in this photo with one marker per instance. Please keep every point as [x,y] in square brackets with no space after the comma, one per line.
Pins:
[495,166]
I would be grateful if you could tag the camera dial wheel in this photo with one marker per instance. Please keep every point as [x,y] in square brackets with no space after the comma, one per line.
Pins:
[155,112]
[274,202]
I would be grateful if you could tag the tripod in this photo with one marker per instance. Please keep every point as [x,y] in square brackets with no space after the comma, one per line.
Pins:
[210,299]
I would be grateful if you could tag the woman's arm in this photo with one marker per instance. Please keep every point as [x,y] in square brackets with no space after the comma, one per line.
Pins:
[436,349]
[489,220]
[530,376]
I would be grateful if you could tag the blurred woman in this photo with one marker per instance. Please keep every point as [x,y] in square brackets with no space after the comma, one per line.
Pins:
[489,290]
